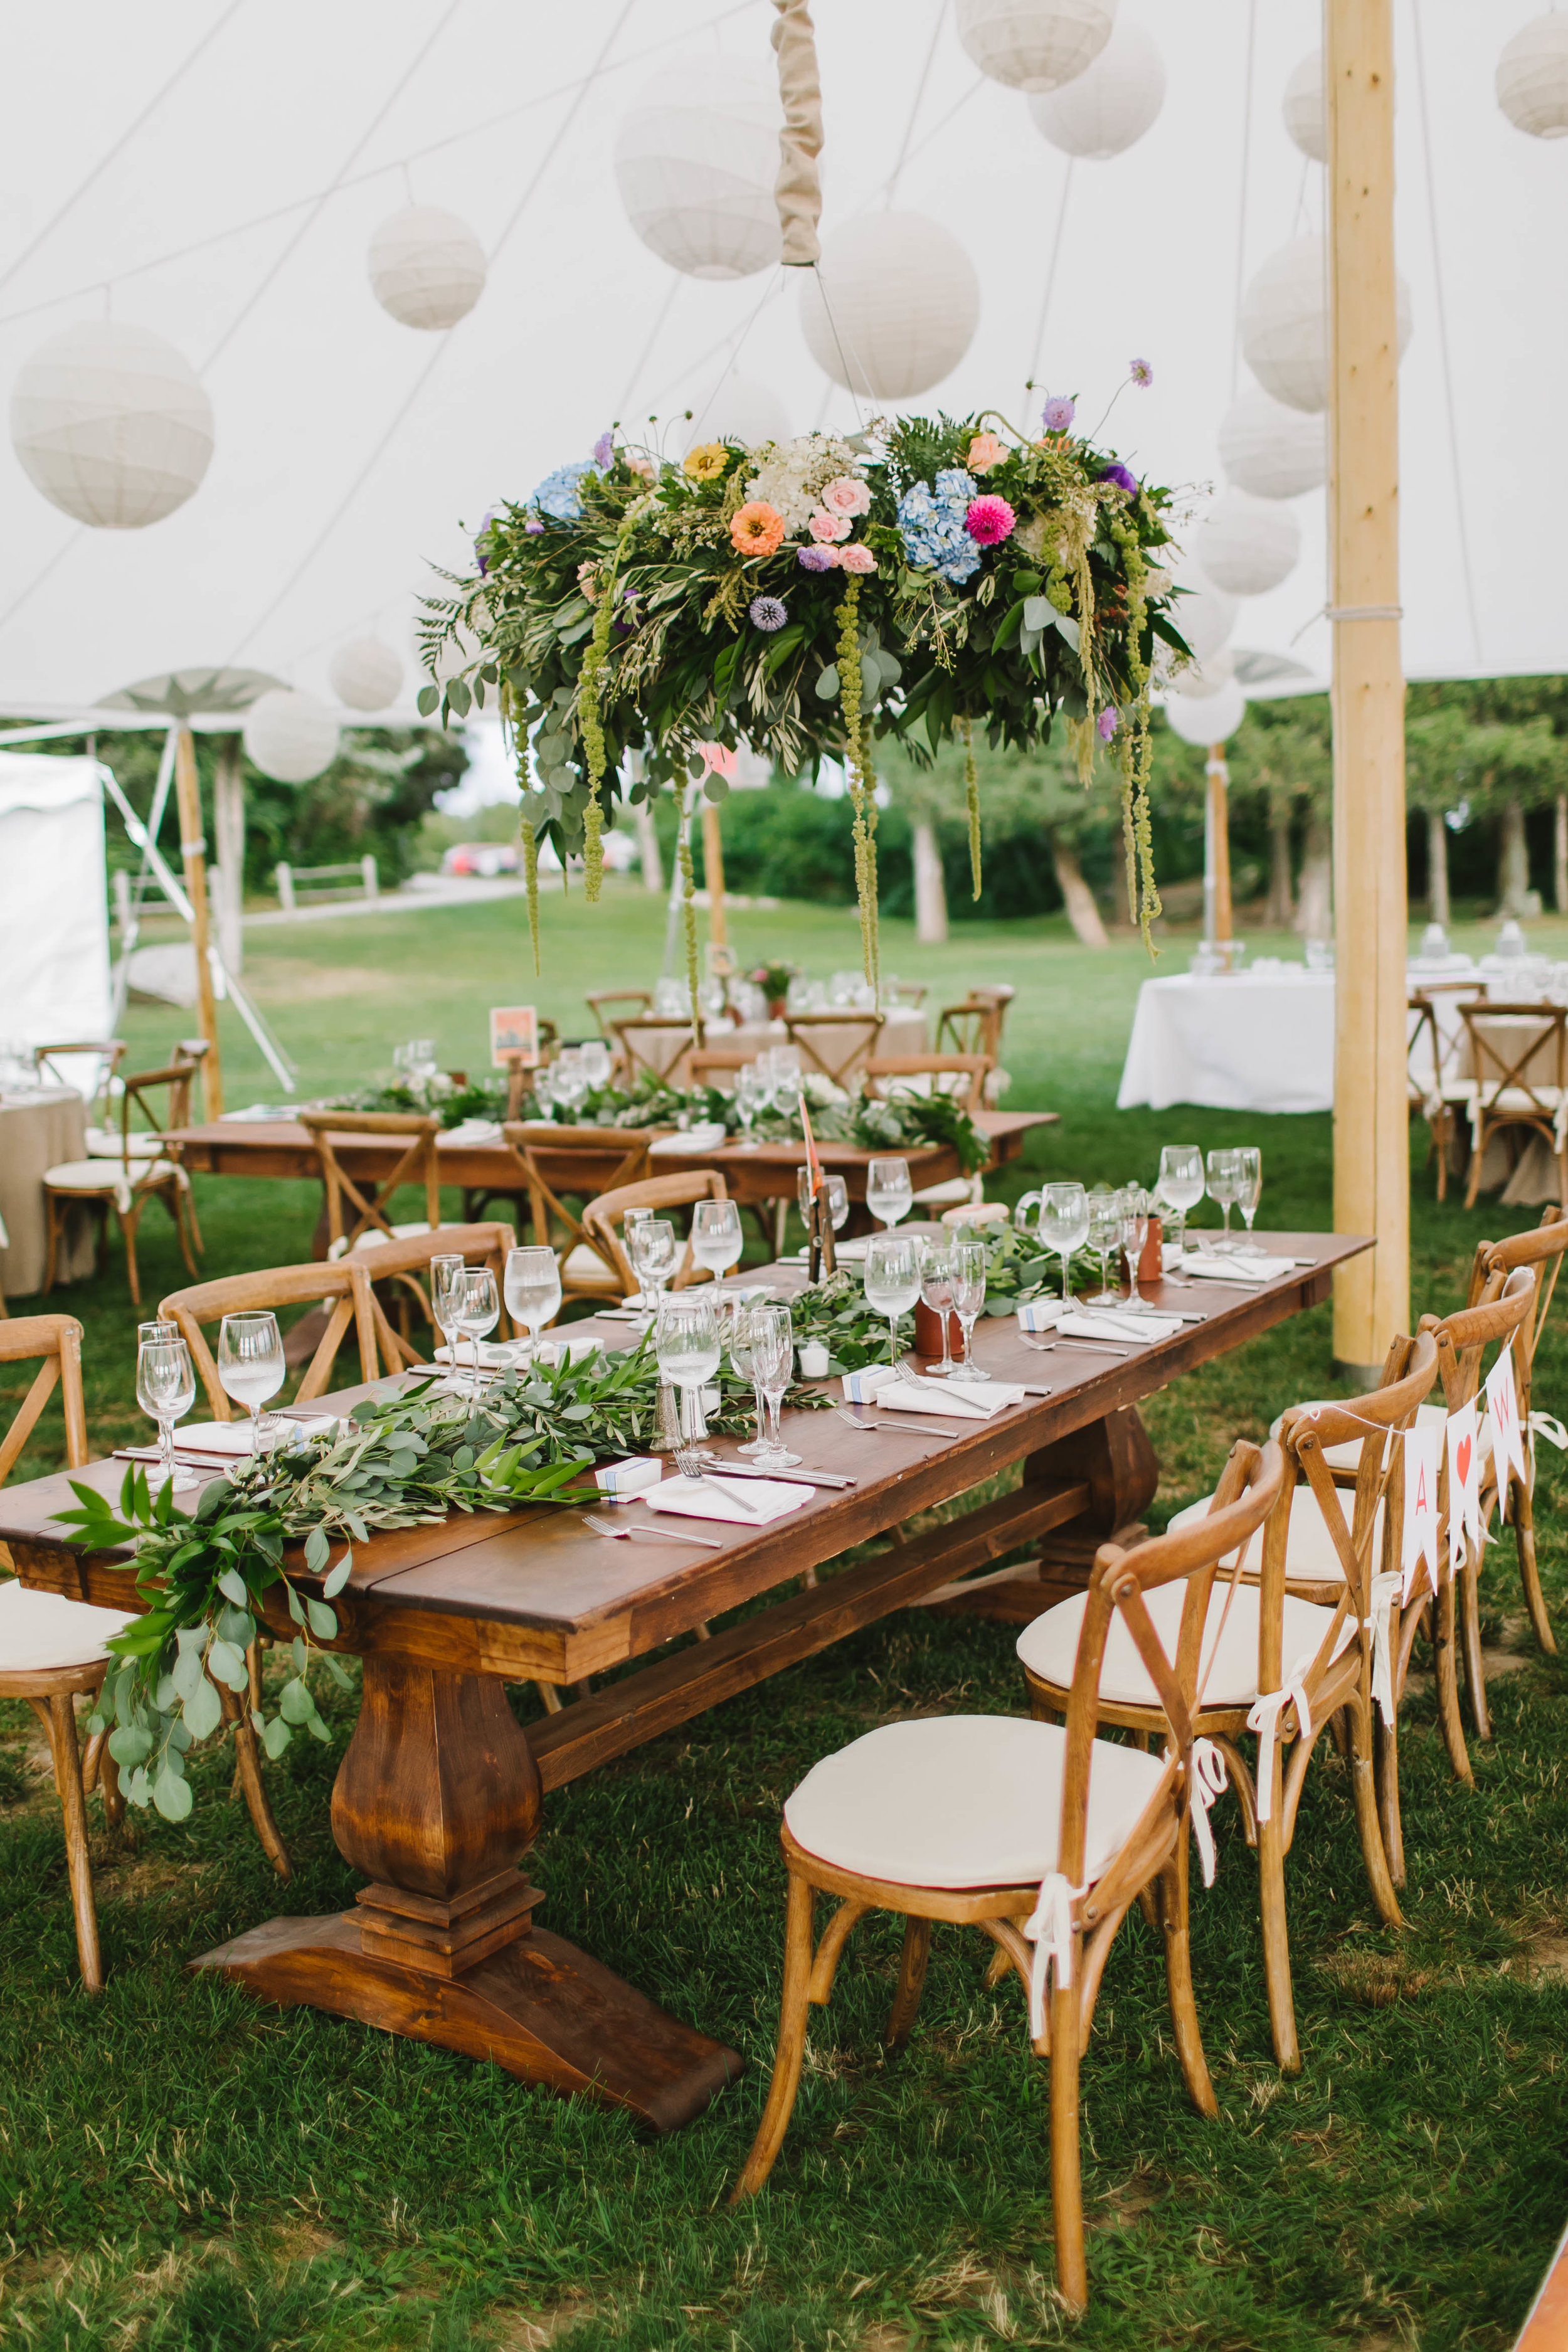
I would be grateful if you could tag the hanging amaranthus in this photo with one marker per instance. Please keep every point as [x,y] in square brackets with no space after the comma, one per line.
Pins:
[595,662]
[855,768]
[525,821]
[688,903]
[1136,749]
[972,804]
[868,768]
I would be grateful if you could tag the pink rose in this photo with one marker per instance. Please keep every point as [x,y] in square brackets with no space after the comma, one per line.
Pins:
[984,451]
[857,558]
[824,527]
[847,496]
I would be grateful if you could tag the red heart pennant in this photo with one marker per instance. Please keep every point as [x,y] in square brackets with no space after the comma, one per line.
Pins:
[1463,1457]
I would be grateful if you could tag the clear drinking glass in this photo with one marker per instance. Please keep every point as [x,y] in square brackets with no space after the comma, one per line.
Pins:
[478,1310]
[936,1292]
[686,1348]
[716,1236]
[531,1281]
[772,1361]
[1064,1223]
[838,1193]
[892,1285]
[444,1272]
[969,1260]
[650,1246]
[1135,1233]
[751,1097]
[166,1388]
[595,1059]
[1026,1212]
[1104,1235]
[571,1078]
[1181,1185]
[888,1192]
[738,1340]
[1248,1183]
[1222,1177]
[250,1364]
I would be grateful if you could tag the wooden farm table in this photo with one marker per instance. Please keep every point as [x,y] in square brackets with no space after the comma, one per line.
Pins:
[438,1799]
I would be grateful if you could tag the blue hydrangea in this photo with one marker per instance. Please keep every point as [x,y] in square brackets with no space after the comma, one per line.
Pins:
[955,490]
[932,527]
[557,495]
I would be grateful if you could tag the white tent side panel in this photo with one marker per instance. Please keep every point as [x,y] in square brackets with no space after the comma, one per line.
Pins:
[54,913]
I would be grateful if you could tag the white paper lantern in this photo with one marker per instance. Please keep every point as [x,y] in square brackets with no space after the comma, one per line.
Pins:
[1247,545]
[901,305]
[740,410]
[1204,616]
[1200,681]
[1532,77]
[1034,44]
[367,675]
[291,737]
[1106,109]
[696,159]
[1302,107]
[1213,719]
[109,423]
[426,268]
[1285,328]
[1271,450]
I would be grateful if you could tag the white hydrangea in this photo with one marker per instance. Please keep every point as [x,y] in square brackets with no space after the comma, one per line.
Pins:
[793,475]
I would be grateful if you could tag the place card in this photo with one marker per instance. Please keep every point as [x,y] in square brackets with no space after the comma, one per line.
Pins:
[860,1386]
[622,1480]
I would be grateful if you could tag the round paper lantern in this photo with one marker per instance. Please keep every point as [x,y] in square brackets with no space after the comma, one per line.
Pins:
[696,159]
[1204,615]
[109,423]
[1034,44]
[740,410]
[1303,107]
[1247,545]
[367,675]
[901,305]
[1200,681]
[1211,719]
[426,268]
[1271,450]
[1285,328]
[291,737]
[1108,108]
[1532,77]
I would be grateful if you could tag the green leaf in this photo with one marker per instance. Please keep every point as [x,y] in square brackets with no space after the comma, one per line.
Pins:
[338,1577]
[323,1621]
[295,1704]
[827,683]
[1037,612]
[172,1796]
[344,1680]
[275,1737]
[317,1551]
[232,1585]
[295,1611]
[189,1674]
[459,696]
[425,702]
[318,1730]
[204,1711]
[226,1664]
[128,1746]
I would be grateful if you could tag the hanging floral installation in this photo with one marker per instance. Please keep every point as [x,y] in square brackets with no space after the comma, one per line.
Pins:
[922,579]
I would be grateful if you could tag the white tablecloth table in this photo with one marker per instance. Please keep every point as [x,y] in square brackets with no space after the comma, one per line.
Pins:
[1260,1040]
[40,1128]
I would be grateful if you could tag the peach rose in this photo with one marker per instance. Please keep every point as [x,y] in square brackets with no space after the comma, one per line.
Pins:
[984,451]
[824,527]
[758,529]
[857,558]
[847,496]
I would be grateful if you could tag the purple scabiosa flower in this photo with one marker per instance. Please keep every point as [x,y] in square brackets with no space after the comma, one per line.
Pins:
[534,526]
[1108,722]
[604,450]
[1123,476]
[817,559]
[480,558]
[768,612]
[1140,372]
[1058,413]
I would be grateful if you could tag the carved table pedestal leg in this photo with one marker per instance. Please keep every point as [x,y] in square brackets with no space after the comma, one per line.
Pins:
[1116,1460]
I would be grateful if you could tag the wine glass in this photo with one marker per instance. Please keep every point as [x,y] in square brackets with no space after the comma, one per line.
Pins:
[1222,1176]
[1026,1212]
[594,1058]
[772,1361]
[1182,1185]
[165,1389]
[751,1097]
[650,1246]
[1064,1223]
[716,1236]
[1248,1183]
[444,1272]
[738,1339]
[571,1078]
[890,1195]
[936,1292]
[892,1285]
[250,1364]
[531,1281]
[478,1310]
[969,1260]
[1104,1235]
[837,1191]
[1135,1233]
[687,1349]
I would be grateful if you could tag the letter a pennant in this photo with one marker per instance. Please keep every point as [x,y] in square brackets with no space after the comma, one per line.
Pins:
[1423,1449]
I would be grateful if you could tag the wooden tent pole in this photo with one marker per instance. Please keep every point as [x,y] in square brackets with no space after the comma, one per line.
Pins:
[1372,1163]
[194,856]
[1218,842]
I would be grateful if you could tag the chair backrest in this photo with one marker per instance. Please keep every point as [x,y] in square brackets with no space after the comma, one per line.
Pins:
[405,1261]
[545,1163]
[345,1283]
[962,1075]
[635,1000]
[1521,1050]
[108,1053]
[174,1081]
[711,1065]
[834,1043]
[58,1339]
[1463,1336]
[907,991]
[1542,1246]
[417,1164]
[656,1046]
[972,1027]
[603,1219]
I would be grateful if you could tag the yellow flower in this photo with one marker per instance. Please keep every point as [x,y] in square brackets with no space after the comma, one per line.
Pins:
[706,461]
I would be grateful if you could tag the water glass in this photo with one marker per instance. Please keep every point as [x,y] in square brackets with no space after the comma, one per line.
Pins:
[1222,1181]
[738,1340]
[1026,1213]
[970,1259]
[751,1095]
[531,1281]
[478,1303]
[936,1292]
[773,1362]
[250,1364]
[1135,1233]
[166,1388]
[571,1078]
[650,1246]
[595,1059]
[838,1193]
[1104,1235]
[892,1284]
[890,1195]
[1064,1223]
[687,1349]
[1248,1181]
[1181,1185]
[444,1272]
[716,1236]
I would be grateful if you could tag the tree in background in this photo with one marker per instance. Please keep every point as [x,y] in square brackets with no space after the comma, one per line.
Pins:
[1490,748]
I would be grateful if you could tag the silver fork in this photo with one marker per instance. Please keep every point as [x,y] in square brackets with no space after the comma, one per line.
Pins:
[690,1463]
[1091,1347]
[892,1428]
[669,1535]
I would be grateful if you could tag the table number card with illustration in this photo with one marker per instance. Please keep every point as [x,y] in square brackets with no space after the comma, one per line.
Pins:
[514,1036]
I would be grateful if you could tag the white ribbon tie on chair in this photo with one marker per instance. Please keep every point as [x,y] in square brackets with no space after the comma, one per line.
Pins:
[1547,1425]
[1050,1928]
[1264,1718]
[1209,1778]
[1383,1588]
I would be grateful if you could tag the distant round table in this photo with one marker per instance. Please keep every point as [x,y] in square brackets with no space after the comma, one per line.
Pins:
[40,1127]
[1260,1040]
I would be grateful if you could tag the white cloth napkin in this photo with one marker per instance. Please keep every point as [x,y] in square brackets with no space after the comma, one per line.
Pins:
[706,1137]
[952,1400]
[848,1252]
[708,1499]
[1234,1269]
[472,1130]
[1106,1323]
[495,1355]
[230,1440]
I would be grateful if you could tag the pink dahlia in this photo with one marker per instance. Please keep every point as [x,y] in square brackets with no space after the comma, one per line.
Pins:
[989,521]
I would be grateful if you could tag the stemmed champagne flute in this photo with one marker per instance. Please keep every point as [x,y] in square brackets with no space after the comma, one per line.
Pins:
[716,1236]
[444,1272]
[166,1388]
[1104,1235]
[478,1310]
[250,1363]
[738,1339]
[893,1286]
[969,1263]
[751,1097]
[1222,1182]
[1063,1224]
[650,1246]
[686,1348]
[1135,1233]
[1182,1185]
[772,1361]
[936,1292]
[533,1285]
[1248,1183]
[888,1192]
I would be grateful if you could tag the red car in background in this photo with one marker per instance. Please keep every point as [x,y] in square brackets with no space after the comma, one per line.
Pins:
[484,858]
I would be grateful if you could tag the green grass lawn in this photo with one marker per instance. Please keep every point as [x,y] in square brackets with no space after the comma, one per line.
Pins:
[184,2171]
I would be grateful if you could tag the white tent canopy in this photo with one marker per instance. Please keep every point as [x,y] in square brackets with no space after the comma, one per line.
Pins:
[54,920]
[217,175]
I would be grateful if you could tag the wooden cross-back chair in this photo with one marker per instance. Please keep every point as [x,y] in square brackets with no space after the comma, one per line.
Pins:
[604,1220]
[715,1065]
[407,1264]
[1435,1087]
[1302,1625]
[127,1171]
[653,1045]
[1519,1064]
[973,1027]
[51,1066]
[553,1165]
[962,1075]
[601,1001]
[1543,1247]
[343,1286]
[1025,1829]
[418,1164]
[835,1045]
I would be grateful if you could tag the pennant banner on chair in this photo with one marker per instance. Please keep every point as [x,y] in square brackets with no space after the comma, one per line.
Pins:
[1502,1412]
[1464,1437]
[1422,1450]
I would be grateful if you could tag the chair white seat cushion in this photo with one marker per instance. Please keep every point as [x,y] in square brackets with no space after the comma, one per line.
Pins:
[1227,1673]
[583,1266]
[1310,1554]
[40,1631]
[1346,1455]
[963,1800]
[104,1144]
[103,1175]
[374,1238]
[956,1189]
